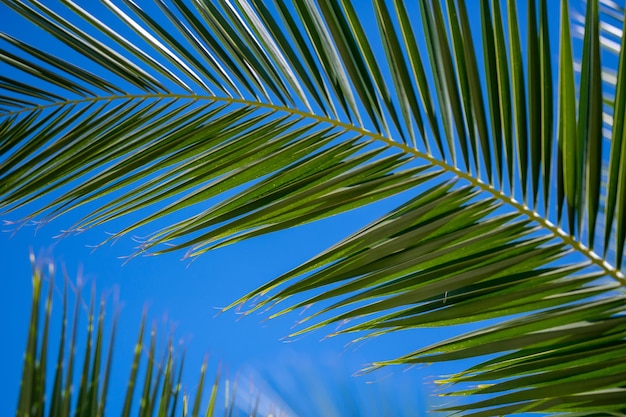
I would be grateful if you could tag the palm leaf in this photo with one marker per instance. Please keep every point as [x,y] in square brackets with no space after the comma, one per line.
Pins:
[161,379]
[231,119]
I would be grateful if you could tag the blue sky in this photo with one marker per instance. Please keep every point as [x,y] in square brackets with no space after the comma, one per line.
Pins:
[188,295]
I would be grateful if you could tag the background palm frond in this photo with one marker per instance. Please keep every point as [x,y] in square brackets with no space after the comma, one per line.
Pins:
[154,385]
[246,118]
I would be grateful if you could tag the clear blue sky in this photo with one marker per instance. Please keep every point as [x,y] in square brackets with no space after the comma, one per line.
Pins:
[189,294]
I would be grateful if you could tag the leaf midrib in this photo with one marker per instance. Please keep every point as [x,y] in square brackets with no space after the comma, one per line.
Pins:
[522,208]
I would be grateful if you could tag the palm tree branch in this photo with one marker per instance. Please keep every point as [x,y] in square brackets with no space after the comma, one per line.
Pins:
[519,207]
[432,259]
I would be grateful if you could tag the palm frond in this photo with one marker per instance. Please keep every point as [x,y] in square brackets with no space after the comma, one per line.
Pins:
[161,392]
[245,118]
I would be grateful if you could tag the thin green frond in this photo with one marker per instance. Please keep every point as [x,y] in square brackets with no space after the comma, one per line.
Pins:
[44,394]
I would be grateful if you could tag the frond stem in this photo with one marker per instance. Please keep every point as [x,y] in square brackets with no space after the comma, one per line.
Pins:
[557,231]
